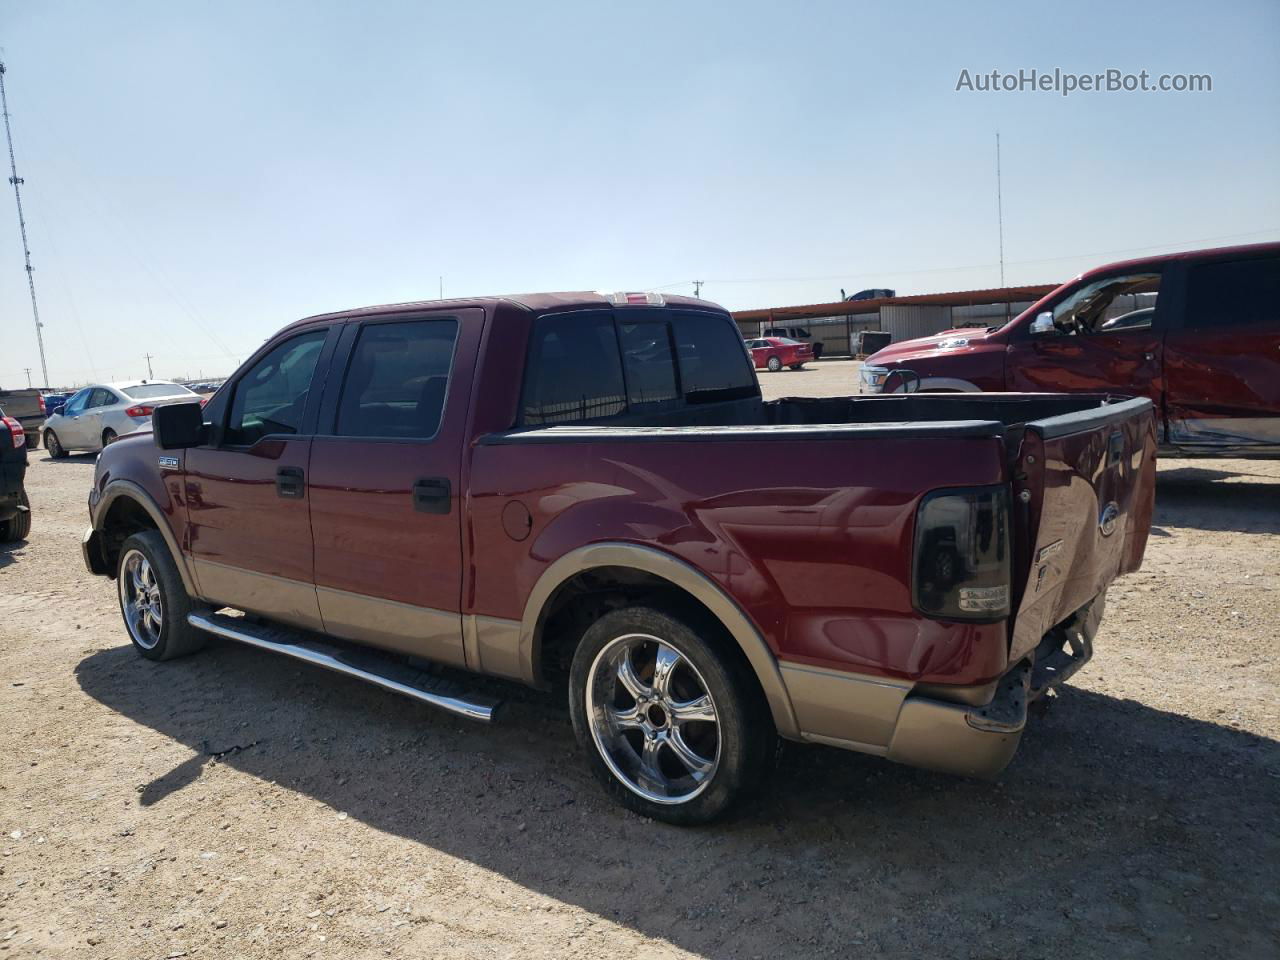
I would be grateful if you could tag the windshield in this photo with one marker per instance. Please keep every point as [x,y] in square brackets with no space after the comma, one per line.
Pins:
[149,391]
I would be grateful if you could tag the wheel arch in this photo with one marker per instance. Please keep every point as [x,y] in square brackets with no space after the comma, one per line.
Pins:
[126,508]
[647,568]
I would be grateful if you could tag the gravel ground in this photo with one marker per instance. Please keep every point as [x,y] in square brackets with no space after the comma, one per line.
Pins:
[238,805]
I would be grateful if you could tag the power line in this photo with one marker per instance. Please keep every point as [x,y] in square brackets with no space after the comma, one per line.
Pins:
[17,182]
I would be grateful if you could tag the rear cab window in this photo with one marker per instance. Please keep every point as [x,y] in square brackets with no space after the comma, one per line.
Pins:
[599,364]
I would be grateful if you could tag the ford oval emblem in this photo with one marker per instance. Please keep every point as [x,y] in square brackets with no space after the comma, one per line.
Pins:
[1110,515]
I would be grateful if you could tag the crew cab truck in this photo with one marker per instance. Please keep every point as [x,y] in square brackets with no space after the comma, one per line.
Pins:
[1197,333]
[587,492]
[15,508]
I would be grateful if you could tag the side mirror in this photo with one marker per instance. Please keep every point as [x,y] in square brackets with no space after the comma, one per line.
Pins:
[1042,324]
[177,426]
[56,410]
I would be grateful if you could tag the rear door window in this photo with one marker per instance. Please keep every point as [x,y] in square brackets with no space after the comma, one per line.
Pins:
[397,380]
[1234,293]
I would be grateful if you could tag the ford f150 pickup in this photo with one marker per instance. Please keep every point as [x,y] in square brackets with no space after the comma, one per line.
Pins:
[1197,333]
[587,492]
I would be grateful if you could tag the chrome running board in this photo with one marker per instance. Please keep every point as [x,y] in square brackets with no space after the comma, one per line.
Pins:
[367,665]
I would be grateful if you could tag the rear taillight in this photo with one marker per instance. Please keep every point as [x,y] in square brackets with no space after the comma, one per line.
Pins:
[41,399]
[962,560]
[141,410]
[16,432]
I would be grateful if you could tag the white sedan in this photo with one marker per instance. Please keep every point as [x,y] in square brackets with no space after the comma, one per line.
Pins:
[98,414]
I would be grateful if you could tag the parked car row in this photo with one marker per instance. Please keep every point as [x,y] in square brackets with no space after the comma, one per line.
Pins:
[1206,352]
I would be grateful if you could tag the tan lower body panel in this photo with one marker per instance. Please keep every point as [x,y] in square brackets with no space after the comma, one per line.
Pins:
[898,720]
[276,598]
[391,625]
[832,705]
[937,736]
[493,647]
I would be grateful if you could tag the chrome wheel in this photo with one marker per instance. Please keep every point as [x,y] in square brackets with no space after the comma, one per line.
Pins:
[653,719]
[140,599]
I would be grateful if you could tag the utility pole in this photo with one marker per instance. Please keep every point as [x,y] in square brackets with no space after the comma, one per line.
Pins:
[697,288]
[17,181]
[150,376]
[27,371]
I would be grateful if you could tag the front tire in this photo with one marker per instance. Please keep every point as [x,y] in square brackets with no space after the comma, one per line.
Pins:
[51,443]
[17,527]
[774,364]
[153,602]
[674,728]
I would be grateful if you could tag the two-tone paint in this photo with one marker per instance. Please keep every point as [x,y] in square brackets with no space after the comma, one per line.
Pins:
[801,549]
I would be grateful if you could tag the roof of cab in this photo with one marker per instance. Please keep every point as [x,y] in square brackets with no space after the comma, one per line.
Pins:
[1246,250]
[534,302]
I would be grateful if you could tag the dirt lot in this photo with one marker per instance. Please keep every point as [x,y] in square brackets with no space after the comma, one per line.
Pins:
[238,805]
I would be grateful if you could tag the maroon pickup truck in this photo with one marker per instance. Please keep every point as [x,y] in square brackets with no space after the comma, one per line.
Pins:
[1197,333]
[587,491]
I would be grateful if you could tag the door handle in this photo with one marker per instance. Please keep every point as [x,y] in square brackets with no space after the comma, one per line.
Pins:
[290,483]
[432,495]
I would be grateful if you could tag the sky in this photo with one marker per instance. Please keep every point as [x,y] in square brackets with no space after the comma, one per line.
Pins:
[199,174]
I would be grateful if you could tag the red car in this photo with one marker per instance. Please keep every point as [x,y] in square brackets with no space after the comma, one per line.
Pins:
[1198,333]
[774,353]
[587,494]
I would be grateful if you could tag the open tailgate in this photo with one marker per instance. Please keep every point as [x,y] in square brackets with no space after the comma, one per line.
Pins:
[1084,489]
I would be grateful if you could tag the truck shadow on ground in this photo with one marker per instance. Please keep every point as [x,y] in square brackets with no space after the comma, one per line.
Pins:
[1209,499]
[1111,834]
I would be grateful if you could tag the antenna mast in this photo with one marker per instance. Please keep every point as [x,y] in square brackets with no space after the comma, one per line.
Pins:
[17,182]
[999,208]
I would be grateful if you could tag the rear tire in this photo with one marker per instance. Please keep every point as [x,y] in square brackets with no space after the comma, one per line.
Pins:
[797,366]
[694,738]
[33,439]
[774,364]
[109,437]
[153,601]
[51,443]
[17,527]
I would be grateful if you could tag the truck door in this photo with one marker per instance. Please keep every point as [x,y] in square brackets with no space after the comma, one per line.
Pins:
[249,526]
[1222,357]
[386,482]
[1106,336]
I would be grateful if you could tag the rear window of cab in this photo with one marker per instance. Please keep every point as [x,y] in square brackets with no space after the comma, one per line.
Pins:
[596,364]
